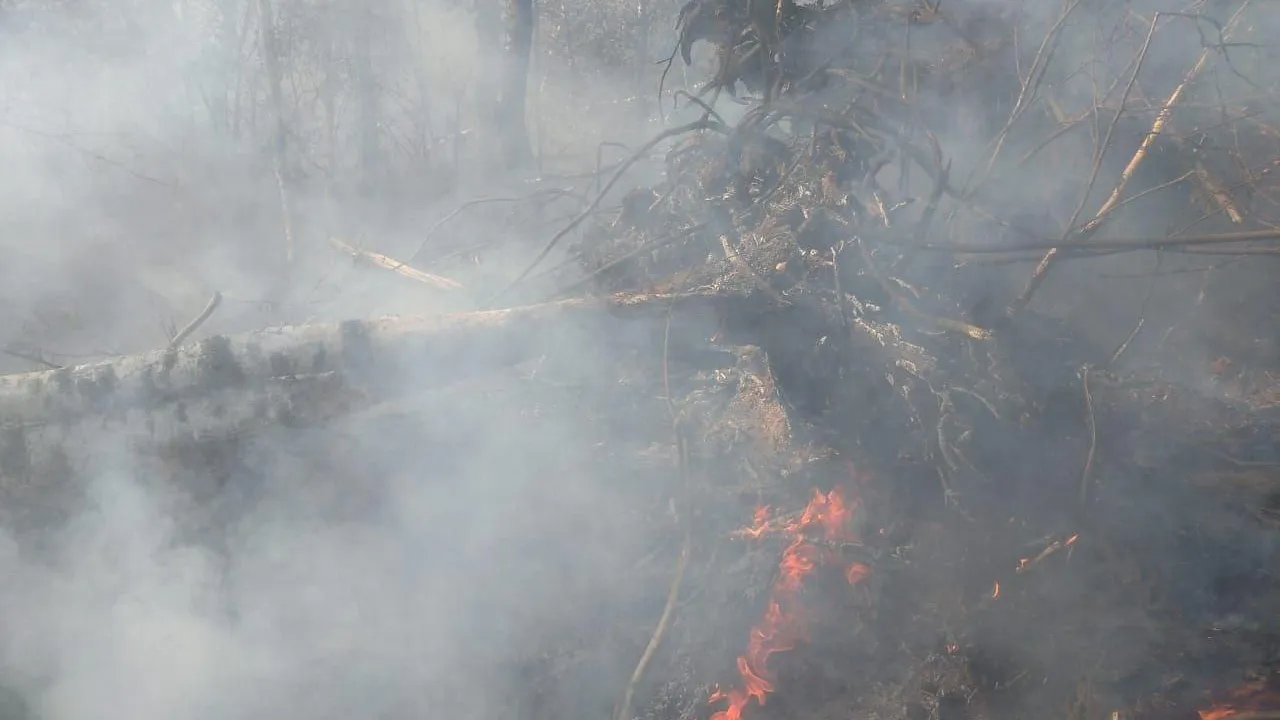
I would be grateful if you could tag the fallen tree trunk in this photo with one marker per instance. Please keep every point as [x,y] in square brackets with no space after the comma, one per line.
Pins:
[363,354]
[279,375]
[308,374]
[225,386]
[61,426]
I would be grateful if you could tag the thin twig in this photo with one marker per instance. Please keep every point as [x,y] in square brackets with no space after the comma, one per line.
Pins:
[647,247]
[66,141]
[900,298]
[666,367]
[1115,356]
[1157,127]
[397,266]
[1035,75]
[1210,185]
[191,327]
[940,181]
[736,260]
[1152,190]
[703,124]
[707,109]
[1042,269]
[554,192]
[1093,438]
[662,81]
[31,358]
[1120,244]
[841,301]
[600,159]
[454,213]
[1063,129]
[1026,564]
[682,561]
[1236,251]
[271,63]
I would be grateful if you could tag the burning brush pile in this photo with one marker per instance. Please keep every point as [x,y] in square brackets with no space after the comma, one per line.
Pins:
[1008,291]
[829,516]
[965,402]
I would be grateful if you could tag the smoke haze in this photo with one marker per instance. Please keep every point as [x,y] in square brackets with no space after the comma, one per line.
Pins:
[414,559]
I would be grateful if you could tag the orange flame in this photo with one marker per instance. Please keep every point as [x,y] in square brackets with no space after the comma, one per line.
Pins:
[1247,699]
[759,523]
[995,592]
[783,624]
[761,517]
[856,572]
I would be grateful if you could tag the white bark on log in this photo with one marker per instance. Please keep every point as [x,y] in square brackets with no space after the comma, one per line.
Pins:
[61,426]
[55,422]
[301,373]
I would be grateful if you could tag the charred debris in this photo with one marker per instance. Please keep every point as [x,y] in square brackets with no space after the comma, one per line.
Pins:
[979,289]
[952,375]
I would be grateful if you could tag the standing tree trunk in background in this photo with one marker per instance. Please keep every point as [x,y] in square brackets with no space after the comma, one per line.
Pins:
[425,104]
[243,39]
[367,94]
[221,97]
[644,26]
[486,93]
[331,67]
[517,48]
[271,62]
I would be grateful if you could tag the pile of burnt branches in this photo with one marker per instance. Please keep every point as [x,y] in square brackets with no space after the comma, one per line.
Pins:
[853,126]
[909,176]
[899,183]
[1024,510]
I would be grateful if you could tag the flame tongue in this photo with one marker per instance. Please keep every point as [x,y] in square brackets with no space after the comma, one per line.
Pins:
[1246,701]
[783,624]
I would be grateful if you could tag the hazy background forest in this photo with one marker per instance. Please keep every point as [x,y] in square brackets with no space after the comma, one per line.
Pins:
[158,126]
[418,559]
[139,144]
[157,123]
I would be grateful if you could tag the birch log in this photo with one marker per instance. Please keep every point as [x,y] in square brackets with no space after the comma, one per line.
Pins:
[58,428]
[300,375]
[308,374]
[372,355]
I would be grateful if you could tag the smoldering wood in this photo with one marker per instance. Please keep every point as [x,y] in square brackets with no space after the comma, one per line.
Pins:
[911,391]
[306,375]
[373,357]
[302,375]
[61,422]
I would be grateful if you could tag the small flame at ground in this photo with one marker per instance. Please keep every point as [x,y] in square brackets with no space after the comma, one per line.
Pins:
[759,524]
[1246,701]
[856,572]
[783,625]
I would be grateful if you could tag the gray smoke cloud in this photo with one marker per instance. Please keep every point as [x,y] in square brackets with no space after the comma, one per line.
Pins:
[402,563]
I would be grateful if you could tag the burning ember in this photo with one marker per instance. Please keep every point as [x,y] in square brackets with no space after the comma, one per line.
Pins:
[783,625]
[1029,562]
[1252,701]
